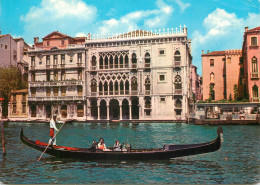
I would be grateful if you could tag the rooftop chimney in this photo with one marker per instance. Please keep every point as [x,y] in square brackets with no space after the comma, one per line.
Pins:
[36,39]
[0,32]
[202,52]
[246,28]
[208,51]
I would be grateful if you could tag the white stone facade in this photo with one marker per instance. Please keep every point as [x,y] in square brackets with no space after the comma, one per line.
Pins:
[138,75]
[56,83]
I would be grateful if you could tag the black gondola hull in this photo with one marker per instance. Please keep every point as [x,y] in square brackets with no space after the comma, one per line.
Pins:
[167,152]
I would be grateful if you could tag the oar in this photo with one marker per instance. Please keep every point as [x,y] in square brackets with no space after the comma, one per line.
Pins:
[51,142]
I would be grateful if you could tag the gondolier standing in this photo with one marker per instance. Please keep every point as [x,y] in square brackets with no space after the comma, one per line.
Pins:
[53,128]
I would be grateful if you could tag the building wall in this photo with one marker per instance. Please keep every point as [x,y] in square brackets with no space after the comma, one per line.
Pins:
[226,72]
[162,94]
[8,51]
[232,70]
[217,70]
[18,106]
[250,52]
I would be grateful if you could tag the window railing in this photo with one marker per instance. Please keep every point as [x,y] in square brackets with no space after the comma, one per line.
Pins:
[134,92]
[62,65]
[126,92]
[93,93]
[255,99]
[93,68]
[147,65]
[147,92]
[254,75]
[177,64]
[178,91]
[134,65]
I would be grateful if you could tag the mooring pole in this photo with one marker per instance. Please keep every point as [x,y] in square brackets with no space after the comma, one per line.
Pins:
[3,137]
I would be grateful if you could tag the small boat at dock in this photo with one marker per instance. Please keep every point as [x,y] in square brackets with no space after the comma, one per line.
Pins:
[165,152]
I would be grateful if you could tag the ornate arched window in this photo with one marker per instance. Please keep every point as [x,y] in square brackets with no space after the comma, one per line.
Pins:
[212,78]
[106,62]
[147,86]
[105,88]
[126,61]
[93,61]
[111,87]
[134,60]
[101,64]
[177,82]
[255,91]
[178,103]
[134,85]
[80,111]
[100,88]
[177,56]
[147,59]
[111,62]
[254,65]
[121,61]
[93,86]
[127,87]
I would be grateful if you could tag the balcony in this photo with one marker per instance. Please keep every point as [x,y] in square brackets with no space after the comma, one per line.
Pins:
[134,66]
[56,83]
[79,64]
[93,68]
[62,65]
[178,91]
[255,99]
[147,65]
[254,75]
[48,66]
[55,66]
[147,92]
[134,93]
[32,67]
[177,64]
[57,98]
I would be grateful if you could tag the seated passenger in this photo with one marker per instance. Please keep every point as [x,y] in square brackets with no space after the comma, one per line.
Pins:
[117,146]
[101,140]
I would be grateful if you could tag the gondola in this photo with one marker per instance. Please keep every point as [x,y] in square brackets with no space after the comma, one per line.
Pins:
[166,152]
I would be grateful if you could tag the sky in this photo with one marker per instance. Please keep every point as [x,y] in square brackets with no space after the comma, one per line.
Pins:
[213,25]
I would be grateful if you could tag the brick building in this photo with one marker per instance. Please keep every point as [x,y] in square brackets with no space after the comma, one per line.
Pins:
[251,56]
[221,71]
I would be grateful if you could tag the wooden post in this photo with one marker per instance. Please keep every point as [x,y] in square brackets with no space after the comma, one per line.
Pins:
[3,137]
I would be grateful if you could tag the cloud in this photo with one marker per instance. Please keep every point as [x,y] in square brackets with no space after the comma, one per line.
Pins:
[148,19]
[222,30]
[67,16]
[182,5]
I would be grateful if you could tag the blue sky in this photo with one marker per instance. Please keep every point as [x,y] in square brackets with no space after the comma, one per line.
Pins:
[212,24]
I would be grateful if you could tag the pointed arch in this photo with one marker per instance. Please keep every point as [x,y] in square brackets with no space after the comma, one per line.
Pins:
[126,61]
[177,82]
[147,59]
[134,61]
[100,88]
[212,78]
[111,88]
[101,64]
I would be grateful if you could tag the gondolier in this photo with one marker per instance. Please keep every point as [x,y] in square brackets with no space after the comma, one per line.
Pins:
[53,128]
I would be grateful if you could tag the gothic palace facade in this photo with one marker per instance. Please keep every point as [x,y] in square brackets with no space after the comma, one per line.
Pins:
[138,75]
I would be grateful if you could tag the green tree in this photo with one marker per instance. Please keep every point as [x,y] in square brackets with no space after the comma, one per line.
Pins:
[235,92]
[10,79]
[230,97]
[211,93]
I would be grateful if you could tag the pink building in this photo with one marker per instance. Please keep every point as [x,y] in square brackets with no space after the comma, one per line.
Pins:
[221,73]
[251,56]
[196,84]
[57,39]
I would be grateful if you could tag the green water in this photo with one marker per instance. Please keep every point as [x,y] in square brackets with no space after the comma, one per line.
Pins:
[238,160]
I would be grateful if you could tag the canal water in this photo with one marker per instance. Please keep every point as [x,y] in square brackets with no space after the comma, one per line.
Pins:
[238,161]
